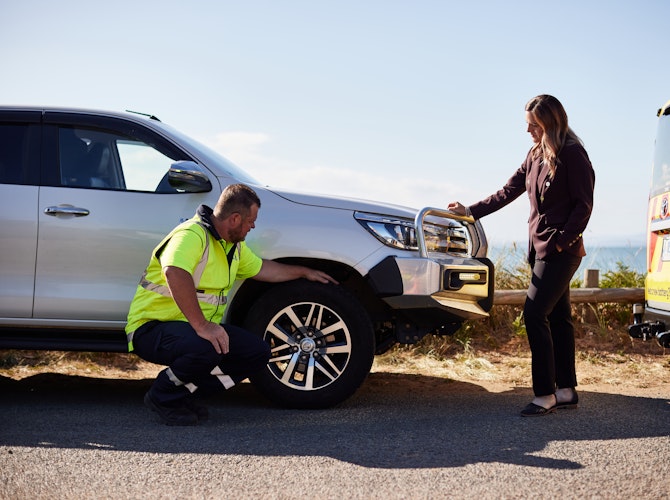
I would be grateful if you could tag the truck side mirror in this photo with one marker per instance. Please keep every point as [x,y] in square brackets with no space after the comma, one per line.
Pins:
[187,176]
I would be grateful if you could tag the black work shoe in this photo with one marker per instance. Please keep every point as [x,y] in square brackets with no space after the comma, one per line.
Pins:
[171,415]
[200,410]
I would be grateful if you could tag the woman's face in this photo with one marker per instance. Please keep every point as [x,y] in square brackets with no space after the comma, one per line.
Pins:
[534,128]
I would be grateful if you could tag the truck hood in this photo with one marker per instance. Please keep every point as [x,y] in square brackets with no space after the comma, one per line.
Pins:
[343,203]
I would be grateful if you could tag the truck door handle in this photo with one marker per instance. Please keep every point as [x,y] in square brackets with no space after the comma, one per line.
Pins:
[66,210]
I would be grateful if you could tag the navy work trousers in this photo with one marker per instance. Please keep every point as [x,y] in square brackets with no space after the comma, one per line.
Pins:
[548,318]
[193,366]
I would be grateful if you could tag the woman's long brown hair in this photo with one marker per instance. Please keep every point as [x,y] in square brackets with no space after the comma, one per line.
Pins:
[549,113]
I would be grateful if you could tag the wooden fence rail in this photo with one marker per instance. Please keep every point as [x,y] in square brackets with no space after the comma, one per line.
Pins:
[577,296]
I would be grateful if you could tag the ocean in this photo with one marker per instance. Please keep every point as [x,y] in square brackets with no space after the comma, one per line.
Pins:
[603,258]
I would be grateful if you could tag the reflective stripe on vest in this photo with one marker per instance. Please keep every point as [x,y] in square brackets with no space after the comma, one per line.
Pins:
[129,338]
[208,298]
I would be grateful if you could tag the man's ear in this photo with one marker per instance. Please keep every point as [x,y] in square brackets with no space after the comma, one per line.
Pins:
[235,218]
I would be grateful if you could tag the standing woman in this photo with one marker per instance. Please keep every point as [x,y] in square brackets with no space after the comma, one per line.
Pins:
[559,180]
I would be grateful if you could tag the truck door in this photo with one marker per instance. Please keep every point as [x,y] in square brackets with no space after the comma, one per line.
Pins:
[104,208]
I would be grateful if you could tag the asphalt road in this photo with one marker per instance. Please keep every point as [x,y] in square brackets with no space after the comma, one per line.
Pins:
[400,436]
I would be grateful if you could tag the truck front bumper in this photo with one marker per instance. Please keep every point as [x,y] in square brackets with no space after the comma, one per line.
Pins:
[462,287]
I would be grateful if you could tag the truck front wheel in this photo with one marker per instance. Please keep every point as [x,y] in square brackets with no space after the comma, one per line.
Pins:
[321,341]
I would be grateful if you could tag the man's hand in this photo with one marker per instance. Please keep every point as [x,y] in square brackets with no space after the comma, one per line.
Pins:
[217,335]
[183,292]
[276,272]
[320,276]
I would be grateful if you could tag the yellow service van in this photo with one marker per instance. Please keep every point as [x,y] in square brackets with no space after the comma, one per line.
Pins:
[652,319]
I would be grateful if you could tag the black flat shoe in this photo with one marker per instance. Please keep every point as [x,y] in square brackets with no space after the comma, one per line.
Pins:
[569,405]
[533,410]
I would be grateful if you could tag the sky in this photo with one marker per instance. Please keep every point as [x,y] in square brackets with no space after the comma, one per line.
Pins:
[417,102]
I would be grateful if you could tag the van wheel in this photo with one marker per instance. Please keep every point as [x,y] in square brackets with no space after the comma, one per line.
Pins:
[321,341]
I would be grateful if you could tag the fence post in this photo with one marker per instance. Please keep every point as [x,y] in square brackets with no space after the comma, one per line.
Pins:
[591,280]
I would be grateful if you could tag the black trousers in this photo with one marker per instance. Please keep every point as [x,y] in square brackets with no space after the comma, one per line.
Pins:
[548,317]
[193,366]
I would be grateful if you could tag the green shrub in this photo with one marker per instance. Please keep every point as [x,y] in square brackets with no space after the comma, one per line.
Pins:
[622,277]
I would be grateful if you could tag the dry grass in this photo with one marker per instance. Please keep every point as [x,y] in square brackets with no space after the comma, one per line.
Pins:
[623,362]
[496,350]
[22,364]
[478,354]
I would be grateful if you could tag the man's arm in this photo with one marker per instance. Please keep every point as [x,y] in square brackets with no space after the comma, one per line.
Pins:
[275,272]
[182,288]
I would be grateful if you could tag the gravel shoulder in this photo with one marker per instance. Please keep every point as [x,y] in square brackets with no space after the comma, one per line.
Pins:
[421,425]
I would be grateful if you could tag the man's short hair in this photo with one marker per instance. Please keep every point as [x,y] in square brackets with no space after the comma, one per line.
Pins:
[236,198]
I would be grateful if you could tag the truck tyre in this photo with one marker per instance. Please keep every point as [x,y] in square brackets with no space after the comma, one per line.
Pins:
[321,340]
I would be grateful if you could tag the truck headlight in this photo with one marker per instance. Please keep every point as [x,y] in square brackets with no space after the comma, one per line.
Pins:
[401,233]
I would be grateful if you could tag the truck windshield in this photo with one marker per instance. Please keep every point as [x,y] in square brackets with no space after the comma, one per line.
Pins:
[208,156]
[661,170]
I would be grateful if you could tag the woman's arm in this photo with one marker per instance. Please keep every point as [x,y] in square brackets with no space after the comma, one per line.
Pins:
[513,188]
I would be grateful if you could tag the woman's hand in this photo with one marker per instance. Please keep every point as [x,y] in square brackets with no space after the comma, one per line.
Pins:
[457,208]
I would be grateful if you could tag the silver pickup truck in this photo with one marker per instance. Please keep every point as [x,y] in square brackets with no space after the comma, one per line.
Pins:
[85,195]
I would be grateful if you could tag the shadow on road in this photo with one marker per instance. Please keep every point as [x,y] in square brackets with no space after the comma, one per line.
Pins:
[393,421]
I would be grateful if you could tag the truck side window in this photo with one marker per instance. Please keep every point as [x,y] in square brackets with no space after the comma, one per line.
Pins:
[102,159]
[16,143]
